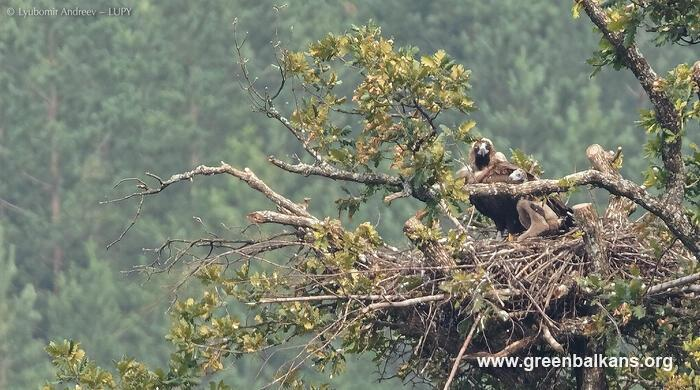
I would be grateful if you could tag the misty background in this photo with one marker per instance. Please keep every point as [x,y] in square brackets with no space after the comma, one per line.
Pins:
[87,101]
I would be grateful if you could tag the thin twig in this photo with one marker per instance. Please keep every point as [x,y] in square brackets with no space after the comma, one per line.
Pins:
[458,359]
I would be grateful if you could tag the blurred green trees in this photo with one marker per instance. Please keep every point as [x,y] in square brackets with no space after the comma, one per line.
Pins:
[20,349]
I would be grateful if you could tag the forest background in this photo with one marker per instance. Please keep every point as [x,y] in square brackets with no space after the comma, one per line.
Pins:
[86,101]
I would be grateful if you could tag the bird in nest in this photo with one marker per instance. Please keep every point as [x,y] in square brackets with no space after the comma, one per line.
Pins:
[540,216]
[486,165]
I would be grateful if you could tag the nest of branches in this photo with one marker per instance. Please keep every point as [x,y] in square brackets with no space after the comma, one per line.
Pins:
[429,300]
[533,286]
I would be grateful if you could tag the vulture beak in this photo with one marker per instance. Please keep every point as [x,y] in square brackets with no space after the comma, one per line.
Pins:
[482,149]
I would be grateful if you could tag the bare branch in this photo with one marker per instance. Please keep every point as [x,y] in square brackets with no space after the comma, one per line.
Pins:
[619,208]
[508,350]
[365,297]
[680,282]
[547,336]
[458,359]
[246,175]
[131,224]
[326,170]
[281,219]
[405,303]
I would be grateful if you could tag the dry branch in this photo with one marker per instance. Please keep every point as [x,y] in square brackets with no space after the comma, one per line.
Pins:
[336,174]
[258,217]
[458,359]
[404,303]
[587,218]
[619,207]
[509,350]
[680,282]
[547,336]
[245,175]
[311,298]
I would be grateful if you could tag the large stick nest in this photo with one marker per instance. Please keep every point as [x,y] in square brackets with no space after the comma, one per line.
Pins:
[530,284]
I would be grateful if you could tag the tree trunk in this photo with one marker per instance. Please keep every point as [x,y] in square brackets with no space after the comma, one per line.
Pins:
[54,163]
[590,378]
[55,171]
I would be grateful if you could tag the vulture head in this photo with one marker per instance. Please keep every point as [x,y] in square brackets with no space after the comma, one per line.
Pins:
[518,176]
[481,153]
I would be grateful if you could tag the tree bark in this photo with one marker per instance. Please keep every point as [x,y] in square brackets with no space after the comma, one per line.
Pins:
[587,218]
[588,378]
[619,208]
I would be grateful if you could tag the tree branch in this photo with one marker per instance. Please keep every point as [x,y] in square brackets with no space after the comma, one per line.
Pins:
[272,112]
[312,298]
[674,219]
[405,302]
[619,208]
[245,175]
[334,173]
[587,218]
[458,359]
[508,350]
[680,282]
[266,216]
[665,111]
[547,336]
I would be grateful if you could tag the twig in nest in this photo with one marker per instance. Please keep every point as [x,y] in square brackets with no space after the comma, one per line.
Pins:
[458,359]
[547,336]
[509,349]
[404,303]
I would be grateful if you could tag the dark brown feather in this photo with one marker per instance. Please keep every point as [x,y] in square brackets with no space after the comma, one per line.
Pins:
[536,208]
[499,208]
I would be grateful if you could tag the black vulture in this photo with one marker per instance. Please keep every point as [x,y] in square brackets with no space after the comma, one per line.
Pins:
[488,166]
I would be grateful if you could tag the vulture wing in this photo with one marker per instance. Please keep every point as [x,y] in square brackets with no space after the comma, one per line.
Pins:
[562,210]
[500,208]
